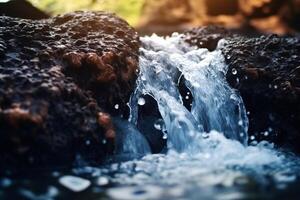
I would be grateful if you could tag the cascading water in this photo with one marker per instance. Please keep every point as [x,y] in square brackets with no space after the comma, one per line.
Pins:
[207,155]
[215,105]
[207,146]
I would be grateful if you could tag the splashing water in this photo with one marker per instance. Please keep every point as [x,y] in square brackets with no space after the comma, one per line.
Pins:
[207,146]
[216,106]
[207,153]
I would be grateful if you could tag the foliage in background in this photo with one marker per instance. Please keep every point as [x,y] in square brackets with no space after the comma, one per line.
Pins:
[130,10]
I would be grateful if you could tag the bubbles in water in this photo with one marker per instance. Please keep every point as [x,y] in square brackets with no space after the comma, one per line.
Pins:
[157,126]
[117,106]
[141,101]
[266,133]
[240,122]
[165,136]
[234,71]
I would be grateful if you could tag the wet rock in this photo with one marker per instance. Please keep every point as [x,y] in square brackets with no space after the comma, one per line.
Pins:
[265,70]
[206,37]
[58,79]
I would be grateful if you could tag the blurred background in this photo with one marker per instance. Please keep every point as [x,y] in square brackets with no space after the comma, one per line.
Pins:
[166,16]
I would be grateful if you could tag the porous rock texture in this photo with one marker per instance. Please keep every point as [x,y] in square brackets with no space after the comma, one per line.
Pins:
[266,71]
[58,79]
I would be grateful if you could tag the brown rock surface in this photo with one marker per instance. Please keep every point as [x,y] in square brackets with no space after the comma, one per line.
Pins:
[58,77]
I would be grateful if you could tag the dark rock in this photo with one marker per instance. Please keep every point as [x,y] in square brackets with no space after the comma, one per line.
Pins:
[268,79]
[206,37]
[149,116]
[21,9]
[58,77]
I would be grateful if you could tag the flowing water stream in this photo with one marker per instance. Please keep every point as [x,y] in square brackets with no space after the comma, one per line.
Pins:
[207,154]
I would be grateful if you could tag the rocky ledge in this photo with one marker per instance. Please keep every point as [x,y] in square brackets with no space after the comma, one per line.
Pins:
[266,71]
[59,77]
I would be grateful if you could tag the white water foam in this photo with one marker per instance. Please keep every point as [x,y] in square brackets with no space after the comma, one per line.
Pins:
[215,105]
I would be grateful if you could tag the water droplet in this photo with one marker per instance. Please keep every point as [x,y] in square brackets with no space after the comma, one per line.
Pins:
[55,174]
[88,142]
[240,122]
[252,137]
[270,86]
[234,71]
[275,86]
[165,136]
[104,141]
[187,97]
[233,97]
[266,133]
[157,126]
[248,113]
[117,106]
[141,101]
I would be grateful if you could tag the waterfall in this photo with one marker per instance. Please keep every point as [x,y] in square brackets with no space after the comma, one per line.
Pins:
[207,156]
[216,106]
